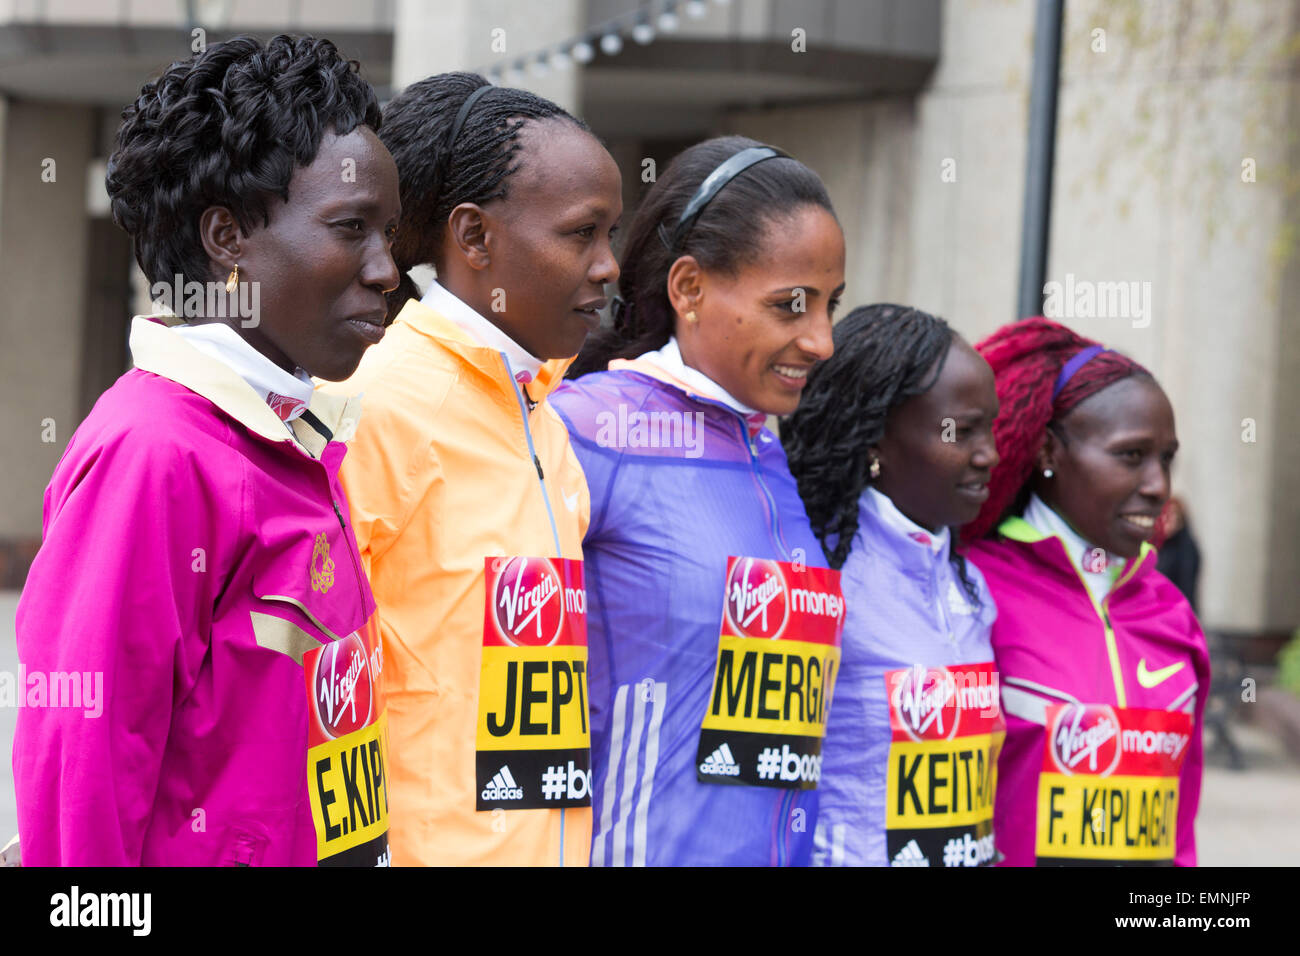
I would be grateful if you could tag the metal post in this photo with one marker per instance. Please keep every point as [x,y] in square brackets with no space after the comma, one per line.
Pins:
[1040,156]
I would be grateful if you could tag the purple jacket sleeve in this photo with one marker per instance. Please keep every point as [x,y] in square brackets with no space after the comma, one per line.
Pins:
[579,410]
[119,601]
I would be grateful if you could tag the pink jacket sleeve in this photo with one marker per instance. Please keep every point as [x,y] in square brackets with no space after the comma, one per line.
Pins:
[121,594]
[1189,783]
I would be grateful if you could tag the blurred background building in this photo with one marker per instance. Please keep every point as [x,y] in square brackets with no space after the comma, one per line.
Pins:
[1176,167]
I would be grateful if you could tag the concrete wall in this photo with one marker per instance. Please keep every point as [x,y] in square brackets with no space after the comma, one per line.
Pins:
[458,35]
[42,273]
[1152,134]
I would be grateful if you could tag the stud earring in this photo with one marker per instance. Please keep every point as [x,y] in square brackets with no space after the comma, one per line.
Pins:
[1047,473]
[232,281]
[691,317]
[874,471]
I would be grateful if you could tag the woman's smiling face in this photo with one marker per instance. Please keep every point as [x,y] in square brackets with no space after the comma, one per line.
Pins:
[759,331]
[938,452]
[1110,457]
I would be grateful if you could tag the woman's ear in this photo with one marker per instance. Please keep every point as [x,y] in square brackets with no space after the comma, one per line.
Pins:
[1050,452]
[222,238]
[468,229]
[686,286]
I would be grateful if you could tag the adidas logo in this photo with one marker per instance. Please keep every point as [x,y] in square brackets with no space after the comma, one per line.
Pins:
[720,763]
[503,787]
[910,855]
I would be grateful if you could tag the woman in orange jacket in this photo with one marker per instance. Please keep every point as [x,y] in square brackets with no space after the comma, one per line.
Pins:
[468,503]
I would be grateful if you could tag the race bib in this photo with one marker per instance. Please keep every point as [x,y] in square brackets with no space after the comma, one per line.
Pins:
[347,755]
[946,729]
[1108,791]
[533,737]
[777,657]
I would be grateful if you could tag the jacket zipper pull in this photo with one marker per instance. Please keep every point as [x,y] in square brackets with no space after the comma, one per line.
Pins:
[537,461]
[338,514]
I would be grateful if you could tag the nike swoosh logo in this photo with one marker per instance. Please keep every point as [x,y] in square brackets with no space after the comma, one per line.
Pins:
[1149,679]
[570,501]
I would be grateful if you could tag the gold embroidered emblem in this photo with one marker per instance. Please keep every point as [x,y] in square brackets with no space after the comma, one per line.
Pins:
[323,579]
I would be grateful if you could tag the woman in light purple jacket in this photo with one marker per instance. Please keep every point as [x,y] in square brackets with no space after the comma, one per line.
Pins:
[190,625]
[732,270]
[892,446]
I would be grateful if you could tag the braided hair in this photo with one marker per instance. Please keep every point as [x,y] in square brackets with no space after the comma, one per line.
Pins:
[726,236]
[226,127]
[436,175]
[884,355]
[1026,358]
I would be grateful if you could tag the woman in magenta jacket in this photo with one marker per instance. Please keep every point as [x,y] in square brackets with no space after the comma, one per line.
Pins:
[197,598]
[1104,667]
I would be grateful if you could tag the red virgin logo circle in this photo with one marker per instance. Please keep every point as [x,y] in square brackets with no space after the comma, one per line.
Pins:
[758,601]
[926,702]
[342,689]
[1085,739]
[528,602]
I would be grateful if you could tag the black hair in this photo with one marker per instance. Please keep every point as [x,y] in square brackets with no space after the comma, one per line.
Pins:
[437,175]
[226,127]
[1026,357]
[725,237]
[884,355]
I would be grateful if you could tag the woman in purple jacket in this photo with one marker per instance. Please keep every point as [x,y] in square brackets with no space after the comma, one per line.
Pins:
[733,266]
[892,447]
[197,597]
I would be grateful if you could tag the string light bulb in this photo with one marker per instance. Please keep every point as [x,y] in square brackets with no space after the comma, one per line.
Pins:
[643,33]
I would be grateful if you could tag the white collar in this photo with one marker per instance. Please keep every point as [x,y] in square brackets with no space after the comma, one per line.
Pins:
[669,358]
[523,365]
[288,395]
[935,541]
[1097,577]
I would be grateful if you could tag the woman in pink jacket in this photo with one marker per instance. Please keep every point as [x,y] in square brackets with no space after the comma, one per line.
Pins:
[1104,667]
[195,619]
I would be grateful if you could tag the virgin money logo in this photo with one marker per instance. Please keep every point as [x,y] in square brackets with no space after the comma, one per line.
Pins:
[528,602]
[758,601]
[926,702]
[1085,739]
[342,690]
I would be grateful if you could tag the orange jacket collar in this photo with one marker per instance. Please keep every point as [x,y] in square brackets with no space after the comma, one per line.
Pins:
[486,360]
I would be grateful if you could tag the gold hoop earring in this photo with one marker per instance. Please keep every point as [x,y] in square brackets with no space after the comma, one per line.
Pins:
[232,280]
